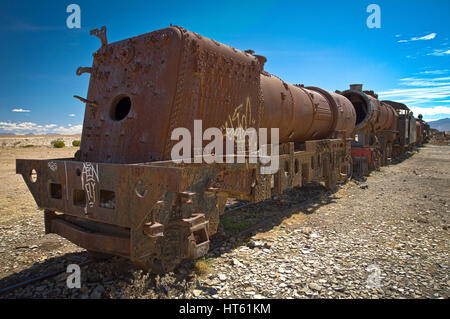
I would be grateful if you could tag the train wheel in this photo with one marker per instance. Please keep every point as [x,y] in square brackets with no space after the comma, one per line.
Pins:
[330,183]
[350,168]
[389,153]
[161,250]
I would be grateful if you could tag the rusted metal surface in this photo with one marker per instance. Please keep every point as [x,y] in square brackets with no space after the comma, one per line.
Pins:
[375,132]
[424,128]
[96,241]
[121,193]
[407,136]
[384,130]
[164,211]
[304,113]
[172,75]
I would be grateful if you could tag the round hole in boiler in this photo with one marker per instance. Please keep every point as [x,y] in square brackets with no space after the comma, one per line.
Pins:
[120,107]
[360,105]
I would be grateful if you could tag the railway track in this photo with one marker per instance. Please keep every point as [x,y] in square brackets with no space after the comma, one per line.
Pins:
[39,278]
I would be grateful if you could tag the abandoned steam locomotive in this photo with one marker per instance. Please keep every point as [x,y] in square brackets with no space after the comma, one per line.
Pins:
[122,193]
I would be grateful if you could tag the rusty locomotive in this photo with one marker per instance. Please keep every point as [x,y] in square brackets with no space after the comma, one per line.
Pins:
[383,130]
[122,194]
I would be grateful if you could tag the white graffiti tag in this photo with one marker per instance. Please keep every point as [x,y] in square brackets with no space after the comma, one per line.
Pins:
[89,178]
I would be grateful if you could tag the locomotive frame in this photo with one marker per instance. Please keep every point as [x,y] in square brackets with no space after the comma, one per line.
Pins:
[159,213]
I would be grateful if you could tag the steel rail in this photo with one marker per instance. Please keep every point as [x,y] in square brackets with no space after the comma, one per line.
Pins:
[36,279]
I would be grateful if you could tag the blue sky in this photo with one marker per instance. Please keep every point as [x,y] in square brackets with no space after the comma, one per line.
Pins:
[321,43]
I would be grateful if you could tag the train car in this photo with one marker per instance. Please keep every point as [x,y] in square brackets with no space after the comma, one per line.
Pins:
[422,131]
[427,132]
[419,133]
[123,194]
[375,130]
[406,124]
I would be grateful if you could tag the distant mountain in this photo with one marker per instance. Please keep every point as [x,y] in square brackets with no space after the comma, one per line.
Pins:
[442,125]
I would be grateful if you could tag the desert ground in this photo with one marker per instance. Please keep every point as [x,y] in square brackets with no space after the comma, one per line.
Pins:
[391,229]
[16,141]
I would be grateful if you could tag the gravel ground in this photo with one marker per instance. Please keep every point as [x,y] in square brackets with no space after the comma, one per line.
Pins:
[381,237]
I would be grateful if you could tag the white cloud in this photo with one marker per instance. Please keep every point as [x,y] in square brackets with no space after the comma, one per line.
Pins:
[420,95]
[426,37]
[419,90]
[72,115]
[30,127]
[425,81]
[430,110]
[426,95]
[423,95]
[438,52]
[404,101]
[75,129]
[442,101]
[435,72]
[20,110]
[430,36]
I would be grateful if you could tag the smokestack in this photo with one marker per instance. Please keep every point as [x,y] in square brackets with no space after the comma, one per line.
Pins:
[356,87]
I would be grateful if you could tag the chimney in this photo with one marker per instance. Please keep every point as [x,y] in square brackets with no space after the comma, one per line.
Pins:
[356,87]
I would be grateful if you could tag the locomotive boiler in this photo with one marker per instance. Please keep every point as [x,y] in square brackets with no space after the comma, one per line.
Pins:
[122,194]
[407,126]
[422,131]
[375,130]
